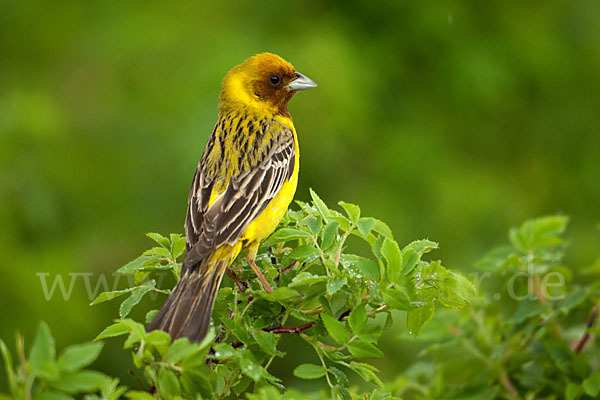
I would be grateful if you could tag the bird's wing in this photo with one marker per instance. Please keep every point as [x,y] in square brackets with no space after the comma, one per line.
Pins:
[211,223]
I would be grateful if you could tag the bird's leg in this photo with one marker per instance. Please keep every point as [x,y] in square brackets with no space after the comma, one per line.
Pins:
[250,256]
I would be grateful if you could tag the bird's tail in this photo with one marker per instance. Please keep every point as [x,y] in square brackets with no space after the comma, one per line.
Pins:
[187,311]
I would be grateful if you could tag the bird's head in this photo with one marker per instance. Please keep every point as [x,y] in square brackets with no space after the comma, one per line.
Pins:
[265,82]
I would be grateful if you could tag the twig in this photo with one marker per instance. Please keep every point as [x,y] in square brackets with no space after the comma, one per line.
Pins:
[293,329]
[138,380]
[286,269]
[240,285]
[586,336]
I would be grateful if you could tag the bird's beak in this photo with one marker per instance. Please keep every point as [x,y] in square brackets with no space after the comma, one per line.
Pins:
[301,83]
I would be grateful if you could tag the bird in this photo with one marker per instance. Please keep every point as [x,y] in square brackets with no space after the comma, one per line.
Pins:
[245,180]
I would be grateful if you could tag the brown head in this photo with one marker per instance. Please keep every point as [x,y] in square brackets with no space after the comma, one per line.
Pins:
[264,82]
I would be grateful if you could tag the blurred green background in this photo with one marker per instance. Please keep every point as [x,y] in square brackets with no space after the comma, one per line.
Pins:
[449,120]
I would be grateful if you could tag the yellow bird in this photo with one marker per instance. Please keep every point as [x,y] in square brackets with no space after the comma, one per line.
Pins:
[244,183]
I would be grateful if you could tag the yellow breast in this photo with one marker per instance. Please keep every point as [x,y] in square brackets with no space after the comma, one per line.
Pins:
[267,221]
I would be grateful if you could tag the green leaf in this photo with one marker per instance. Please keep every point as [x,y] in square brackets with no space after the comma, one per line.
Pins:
[180,349]
[358,318]
[329,235]
[134,265]
[168,384]
[365,225]
[418,317]
[306,279]
[336,329]
[362,349]
[396,298]
[456,291]
[391,252]
[367,372]
[113,330]
[139,395]
[43,353]
[160,239]
[252,369]
[368,268]
[313,223]
[267,342]
[571,391]
[80,381]
[8,366]
[382,228]
[538,233]
[591,385]
[412,253]
[303,252]
[352,210]
[78,356]
[320,205]
[282,294]
[105,296]
[285,234]
[150,316]
[335,284]
[135,298]
[309,371]
[177,244]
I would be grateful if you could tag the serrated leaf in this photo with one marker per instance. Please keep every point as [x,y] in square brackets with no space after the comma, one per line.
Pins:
[105,296]
[135,298]
[335,284]
[365,225]
[368,268]
[113,330]
[412,253]
[78,356]
[180,349]
[319,204]
[303,252]
[313,223]
[418,317]
[282,294]
[329,235]
[538,233]
[396,298]
[591,385]
[285,234]
[357,318]
[391,252]
[139,395]
[160,239]
[48,395]
[352,210]
[571,391]
[43,353]
[336,329]
[309,371]
[168,384]
[134,265]
[456,291]
[305,279]
[177,244]
[367,372]
[267,342]
[362,349]
[150,316]
[80,381]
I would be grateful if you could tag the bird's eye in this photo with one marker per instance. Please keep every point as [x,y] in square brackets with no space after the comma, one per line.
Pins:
[275,79]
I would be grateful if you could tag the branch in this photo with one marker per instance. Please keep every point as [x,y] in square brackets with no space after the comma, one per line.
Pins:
[586,336]
[293,329]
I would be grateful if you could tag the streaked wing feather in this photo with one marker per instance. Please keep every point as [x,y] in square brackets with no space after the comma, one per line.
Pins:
[245,197]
